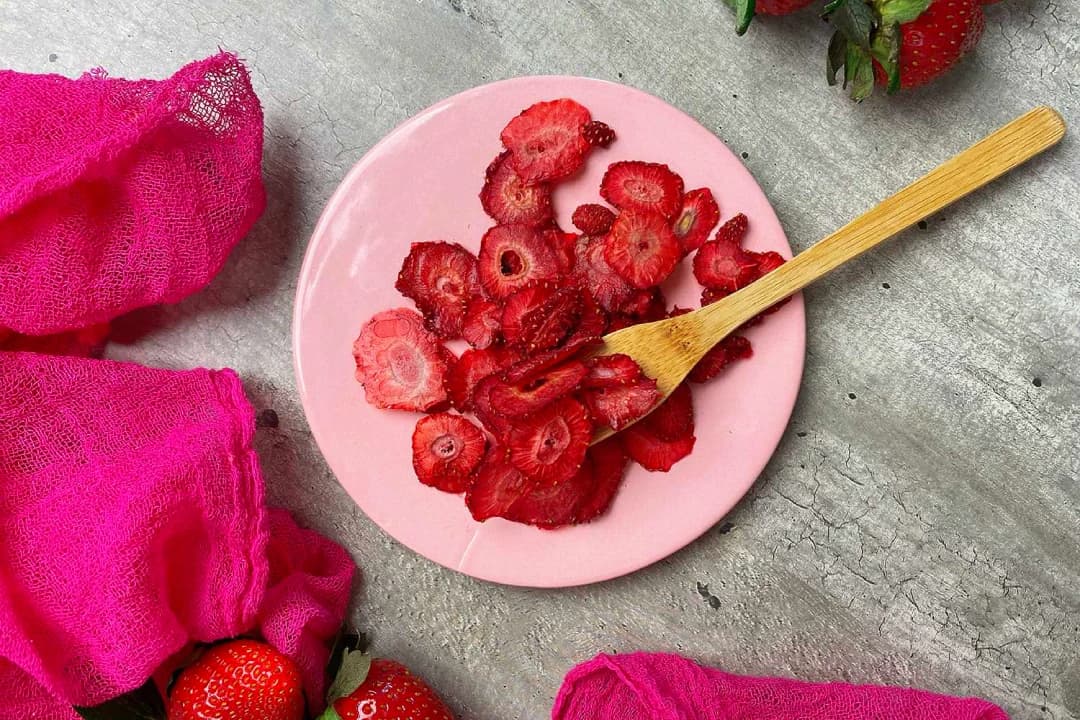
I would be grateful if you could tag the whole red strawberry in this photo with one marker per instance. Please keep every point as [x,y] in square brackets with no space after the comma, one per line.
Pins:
[381,690]
[237,680]
[899,43]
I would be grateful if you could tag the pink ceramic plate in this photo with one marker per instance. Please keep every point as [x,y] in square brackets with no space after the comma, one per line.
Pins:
[421,183]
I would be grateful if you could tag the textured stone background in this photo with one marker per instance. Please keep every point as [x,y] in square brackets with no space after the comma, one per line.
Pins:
[918,525]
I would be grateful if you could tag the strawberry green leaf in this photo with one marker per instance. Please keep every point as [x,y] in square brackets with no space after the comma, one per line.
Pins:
[858,72]
[744,13]
[837,53]
[142,704]
[901,11]
[354,670]
[886,50]
[854,18]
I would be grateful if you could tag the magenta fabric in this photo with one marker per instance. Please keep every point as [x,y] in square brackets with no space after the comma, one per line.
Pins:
[118,194]
[132,524]
[646,686]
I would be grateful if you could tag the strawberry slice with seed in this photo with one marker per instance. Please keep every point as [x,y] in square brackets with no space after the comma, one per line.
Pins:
[721,263]
[646,305]
[465,374]
[510,200]
[400,363]
[725,352]
[529,396]
[618,406]
[592,219]
[550,445]
[674,418]
[598,134]
[564,245]
[553,506]
[493,421]
[594,275]
[483,323]
[531,367]
[546,141]
[641,248]
[636,185]
[497,486]
[446,449]
[512,256]
[441,278]
[696,219]
[651,451]
[607,371]
[538,317]
[608,465]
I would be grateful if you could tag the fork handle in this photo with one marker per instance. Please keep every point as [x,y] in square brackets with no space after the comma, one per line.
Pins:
[986,160]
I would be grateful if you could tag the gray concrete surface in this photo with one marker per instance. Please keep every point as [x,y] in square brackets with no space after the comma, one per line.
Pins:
[919,523]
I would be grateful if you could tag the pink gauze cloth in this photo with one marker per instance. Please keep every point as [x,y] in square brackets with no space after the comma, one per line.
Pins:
[644,686]
[132,525]
[119,194]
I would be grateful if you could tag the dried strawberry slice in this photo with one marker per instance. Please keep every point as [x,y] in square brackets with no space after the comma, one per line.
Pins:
[608,465]
[651,451]
[598,134]
[674,418]
[620,405]
[564,245]
[530,367]
[696,219]
[512,256]
[641,248]
[483,323]
[465,374]
[721,263]
[446,449]
[400,364]
[493,421]
[767,261]
[725,352]
[512,201]
[441,278]
[636,185]
[529,396]
[594,275]
[592,219]
[550,445]
[646,305]
[497,486]
[538,318]
[607,371]
[552,506]
[546,140]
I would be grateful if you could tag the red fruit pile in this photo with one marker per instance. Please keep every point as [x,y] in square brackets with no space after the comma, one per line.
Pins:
[530,304]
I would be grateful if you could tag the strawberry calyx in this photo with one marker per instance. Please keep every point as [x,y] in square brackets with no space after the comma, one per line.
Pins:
[352,672]
[868,32]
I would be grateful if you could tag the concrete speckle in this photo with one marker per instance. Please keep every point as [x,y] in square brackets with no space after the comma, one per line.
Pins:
[924,535]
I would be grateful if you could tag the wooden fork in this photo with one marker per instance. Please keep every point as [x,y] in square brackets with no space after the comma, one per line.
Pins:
[668,349]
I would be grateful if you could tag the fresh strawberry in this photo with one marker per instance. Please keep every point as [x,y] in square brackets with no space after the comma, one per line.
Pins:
[552,506]
[512,256]
[441,278]
[696,219]
[529,396]
[538,317]
[611,371]
[367,689]
[497,486]
[641,248]
[900,44]
[512,201]
[618,406]
[493,421]
[238,679]
[595,276]
[598,134]
[608,466]
[483,323]
[446,449]
[400,364]
[725,352]
[644,445]
[550,445]
[533,366]
[546,140]
[721,263]
[593,219]
[635,185]
[465,374]
[674,418]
